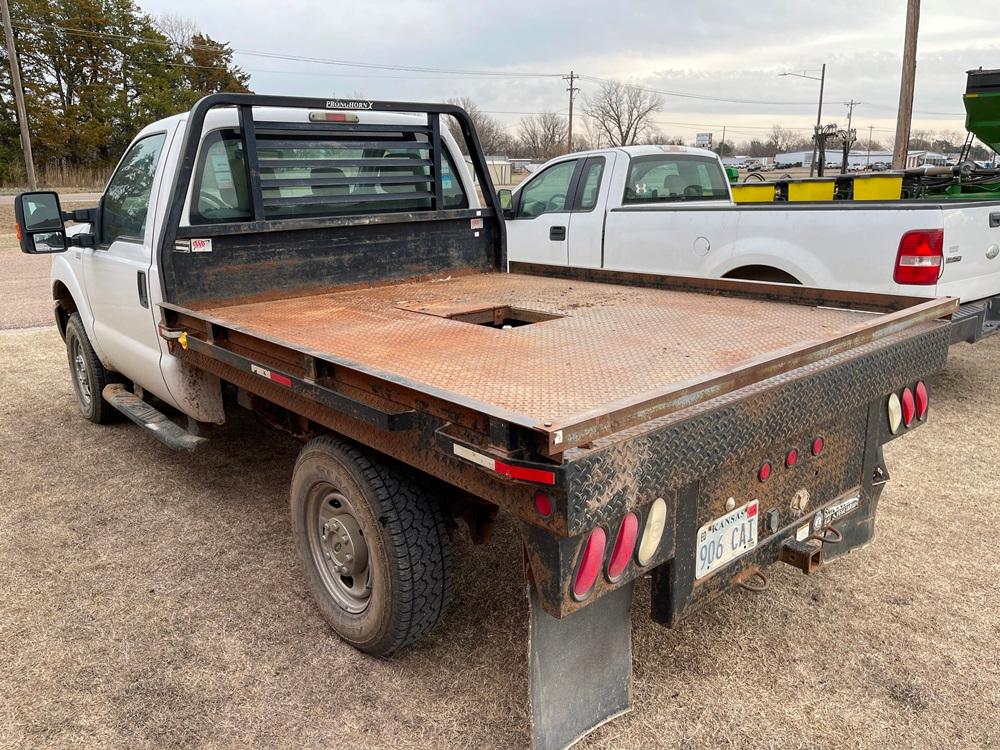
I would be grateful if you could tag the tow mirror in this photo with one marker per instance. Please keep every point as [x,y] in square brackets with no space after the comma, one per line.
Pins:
[506,199]
[39,223]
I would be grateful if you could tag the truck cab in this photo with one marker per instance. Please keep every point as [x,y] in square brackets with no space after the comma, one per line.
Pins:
[111,277]
[560,214]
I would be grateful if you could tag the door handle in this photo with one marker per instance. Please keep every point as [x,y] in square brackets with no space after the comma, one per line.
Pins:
[557,233]
[995,220]
[141,283]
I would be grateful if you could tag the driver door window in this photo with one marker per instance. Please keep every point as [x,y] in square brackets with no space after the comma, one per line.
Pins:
[126,200]
[549,192]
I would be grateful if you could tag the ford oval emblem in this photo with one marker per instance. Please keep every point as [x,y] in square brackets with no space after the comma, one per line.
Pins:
[992,251]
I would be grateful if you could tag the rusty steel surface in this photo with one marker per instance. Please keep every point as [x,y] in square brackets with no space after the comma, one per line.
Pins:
[611,343]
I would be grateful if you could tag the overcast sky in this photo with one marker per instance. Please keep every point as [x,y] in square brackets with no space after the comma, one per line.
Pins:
[727,50]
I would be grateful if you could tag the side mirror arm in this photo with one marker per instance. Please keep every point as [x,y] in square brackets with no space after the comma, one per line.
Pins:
[84,239]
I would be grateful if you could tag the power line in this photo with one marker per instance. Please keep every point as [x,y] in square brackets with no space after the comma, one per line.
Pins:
[298,58]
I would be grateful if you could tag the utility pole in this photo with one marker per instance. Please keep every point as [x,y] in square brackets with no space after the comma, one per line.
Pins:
[819,111]
[572,93]
[15,81]
[905,114]
[868,161]
[847,141]
[722,146]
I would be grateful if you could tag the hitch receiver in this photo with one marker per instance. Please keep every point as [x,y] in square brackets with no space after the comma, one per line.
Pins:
[806,555]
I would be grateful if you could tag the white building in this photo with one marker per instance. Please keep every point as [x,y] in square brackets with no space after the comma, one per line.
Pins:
[500,170]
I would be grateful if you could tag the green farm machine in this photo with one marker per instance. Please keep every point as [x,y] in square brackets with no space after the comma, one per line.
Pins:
[968,180]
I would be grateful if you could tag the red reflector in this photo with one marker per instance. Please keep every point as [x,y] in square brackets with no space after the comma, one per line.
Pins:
[922,399]
[543,504]
[764,472]
[817,446]
[920,257]
[909,408]
[590,563]
[621,553]
[524,472]
[791,458]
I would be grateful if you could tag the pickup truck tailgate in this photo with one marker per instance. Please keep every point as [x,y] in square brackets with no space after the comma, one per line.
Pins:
[971,251]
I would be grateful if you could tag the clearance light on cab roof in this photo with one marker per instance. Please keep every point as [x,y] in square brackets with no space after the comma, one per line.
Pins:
[332,117]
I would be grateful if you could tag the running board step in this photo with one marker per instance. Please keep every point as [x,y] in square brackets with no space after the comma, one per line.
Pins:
[156,422]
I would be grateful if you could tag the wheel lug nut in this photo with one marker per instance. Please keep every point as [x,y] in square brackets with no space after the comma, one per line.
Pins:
[349,557]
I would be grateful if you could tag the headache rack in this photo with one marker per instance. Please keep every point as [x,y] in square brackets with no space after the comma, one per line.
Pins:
[419,164]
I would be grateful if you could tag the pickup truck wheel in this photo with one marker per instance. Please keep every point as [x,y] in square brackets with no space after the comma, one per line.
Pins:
[89,375]
[374,546]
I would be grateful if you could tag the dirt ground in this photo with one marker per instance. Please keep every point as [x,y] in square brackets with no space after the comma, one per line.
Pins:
[154,600]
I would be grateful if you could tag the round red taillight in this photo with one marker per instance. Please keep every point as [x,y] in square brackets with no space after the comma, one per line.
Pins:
[922,400]
[764,472]
[543,504]
[590,563]
[624,546]
[791,458]
[909,408]
[817,446]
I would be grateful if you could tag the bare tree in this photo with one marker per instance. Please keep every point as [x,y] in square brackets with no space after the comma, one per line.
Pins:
[178,29]
[781,139]
[493,138]
[543,136]
[622,113]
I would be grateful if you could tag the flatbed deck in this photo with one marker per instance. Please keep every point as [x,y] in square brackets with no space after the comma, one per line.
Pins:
[602,347]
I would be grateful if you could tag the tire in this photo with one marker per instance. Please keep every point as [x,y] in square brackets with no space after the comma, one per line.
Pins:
[347,505]
[88,374]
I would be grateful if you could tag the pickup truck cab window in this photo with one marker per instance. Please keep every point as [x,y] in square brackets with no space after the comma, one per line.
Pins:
[672,177]
[126,200]
[322,174]
[548,192]
[590,184]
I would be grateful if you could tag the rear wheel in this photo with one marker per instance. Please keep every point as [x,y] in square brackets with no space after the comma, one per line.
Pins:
[374,546]
[89,375]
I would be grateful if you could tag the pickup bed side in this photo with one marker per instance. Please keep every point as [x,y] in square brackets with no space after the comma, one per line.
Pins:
[634,226]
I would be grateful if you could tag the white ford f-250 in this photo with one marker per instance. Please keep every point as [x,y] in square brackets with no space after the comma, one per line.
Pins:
[327,265]
[669,210]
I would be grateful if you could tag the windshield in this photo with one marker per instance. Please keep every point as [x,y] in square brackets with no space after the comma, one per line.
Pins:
[674,177]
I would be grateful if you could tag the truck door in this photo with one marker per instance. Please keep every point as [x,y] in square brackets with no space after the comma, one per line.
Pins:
[539,229]
[116,270]
[586,223]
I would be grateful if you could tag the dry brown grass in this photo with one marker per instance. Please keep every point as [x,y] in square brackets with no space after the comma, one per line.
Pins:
[153,599]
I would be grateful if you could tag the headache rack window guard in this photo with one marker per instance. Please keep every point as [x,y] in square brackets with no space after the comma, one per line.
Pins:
[250,129]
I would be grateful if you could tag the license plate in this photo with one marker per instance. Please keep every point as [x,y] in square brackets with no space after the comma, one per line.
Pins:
[723,540]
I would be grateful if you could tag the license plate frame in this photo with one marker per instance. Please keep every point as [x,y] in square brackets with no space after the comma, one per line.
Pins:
[723,540]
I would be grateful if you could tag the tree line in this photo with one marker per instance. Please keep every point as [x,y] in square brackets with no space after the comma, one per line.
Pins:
[96,71]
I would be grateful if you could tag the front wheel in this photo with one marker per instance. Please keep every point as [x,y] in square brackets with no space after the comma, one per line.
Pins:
[374,546]
[89,375]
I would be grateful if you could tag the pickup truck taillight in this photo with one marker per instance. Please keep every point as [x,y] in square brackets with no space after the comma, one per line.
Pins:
[920,257]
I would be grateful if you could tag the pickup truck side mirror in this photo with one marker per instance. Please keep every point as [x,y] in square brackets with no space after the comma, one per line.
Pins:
[506,199]
[39,223]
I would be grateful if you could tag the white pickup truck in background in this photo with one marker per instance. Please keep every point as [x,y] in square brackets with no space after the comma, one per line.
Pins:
[669,210]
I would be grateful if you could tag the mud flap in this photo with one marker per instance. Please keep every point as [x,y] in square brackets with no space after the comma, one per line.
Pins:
[580,668]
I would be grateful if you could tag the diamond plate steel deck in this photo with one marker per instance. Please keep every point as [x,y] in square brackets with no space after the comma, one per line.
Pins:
[612,343]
